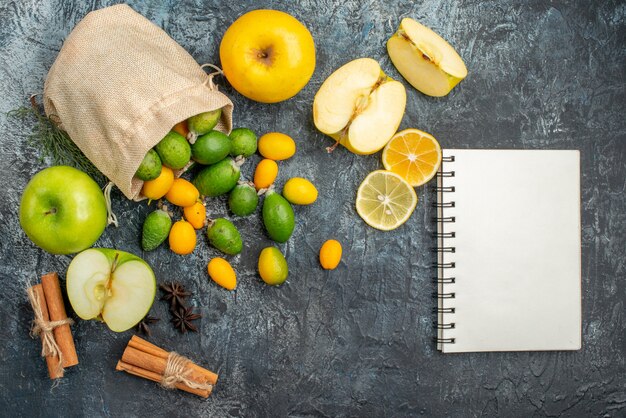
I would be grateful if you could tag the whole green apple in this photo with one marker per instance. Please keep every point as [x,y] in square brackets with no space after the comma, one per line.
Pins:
[111,285]
[63,210]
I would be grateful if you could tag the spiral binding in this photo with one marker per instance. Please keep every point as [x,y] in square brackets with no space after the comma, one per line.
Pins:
[444,310]
[440,235]
[444,280]
[449,189]
[442,295]
[443,249]
[444,219]
[444,265]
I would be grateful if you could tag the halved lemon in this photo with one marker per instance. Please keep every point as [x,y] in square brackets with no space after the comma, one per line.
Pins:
[413,154]
[385,200]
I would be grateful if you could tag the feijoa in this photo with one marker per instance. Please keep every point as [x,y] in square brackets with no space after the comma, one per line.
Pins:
[278,216]
[204,122]
[244,142]
[217,179]
[156,228]
[150,167]
[243,199]
[224,236]
[211,148]
[174,151]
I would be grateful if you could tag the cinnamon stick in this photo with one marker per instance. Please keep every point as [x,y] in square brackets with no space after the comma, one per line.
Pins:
[56,309]
[146,347]
[151,362]
[155,377]
[54,371]
[156,364]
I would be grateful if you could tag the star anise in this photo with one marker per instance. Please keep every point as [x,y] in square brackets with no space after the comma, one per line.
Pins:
[175,293]
[182,317]
[143,327]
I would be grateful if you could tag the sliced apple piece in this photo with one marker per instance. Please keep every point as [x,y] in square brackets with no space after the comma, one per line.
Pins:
[371,130]
[425,59]
[359,106]
[115,286]
[87,277]
[132,294]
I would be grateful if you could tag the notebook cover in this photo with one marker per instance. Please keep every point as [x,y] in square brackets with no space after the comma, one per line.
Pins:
[517,251]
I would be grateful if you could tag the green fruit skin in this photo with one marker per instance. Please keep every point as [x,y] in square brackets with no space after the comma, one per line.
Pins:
[150,167]
[211,148]
[63,210]
[224,236]
[217,179]
[243,200]
[244,142]
[174,150]
[156,228]
[278,217]
[204,122]
[123,257]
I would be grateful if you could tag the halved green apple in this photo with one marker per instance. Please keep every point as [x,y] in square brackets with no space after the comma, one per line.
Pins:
[425,59]
[359,106]
[114,286]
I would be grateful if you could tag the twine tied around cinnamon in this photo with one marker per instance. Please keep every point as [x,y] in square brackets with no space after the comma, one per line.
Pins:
[176,371]
[44,328]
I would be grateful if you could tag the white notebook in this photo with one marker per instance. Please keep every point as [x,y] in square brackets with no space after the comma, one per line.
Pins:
[509,251]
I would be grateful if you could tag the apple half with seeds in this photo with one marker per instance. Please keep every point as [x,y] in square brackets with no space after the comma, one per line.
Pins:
[110,285]
[359,106]
[425,59]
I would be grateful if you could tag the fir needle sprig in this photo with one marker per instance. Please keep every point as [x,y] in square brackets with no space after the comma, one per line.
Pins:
[55,143]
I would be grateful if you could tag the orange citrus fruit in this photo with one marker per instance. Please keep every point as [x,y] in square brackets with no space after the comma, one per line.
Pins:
[330,254]
[182,238]
[182,193]
[157,188]
[265,173]
[414,155]
[277,146]
[181,128]
[222,273]
[195,214]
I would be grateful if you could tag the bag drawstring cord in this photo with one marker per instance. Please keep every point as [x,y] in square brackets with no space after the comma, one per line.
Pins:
[218,71]
[111,218]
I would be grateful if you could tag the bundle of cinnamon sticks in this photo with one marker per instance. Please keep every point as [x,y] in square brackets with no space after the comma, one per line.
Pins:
[52,325]
[171,370]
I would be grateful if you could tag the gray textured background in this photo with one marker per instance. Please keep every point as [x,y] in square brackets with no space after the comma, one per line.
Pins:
[355,341]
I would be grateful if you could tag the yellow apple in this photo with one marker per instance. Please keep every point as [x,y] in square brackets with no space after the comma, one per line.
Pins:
[425,59]
[359,106]
[267,55]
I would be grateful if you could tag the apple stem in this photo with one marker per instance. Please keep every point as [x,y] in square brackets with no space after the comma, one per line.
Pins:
[332,148]
[51,211]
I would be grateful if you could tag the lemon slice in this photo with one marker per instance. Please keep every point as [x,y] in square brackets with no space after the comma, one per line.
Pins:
[385,200]
[413,154]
